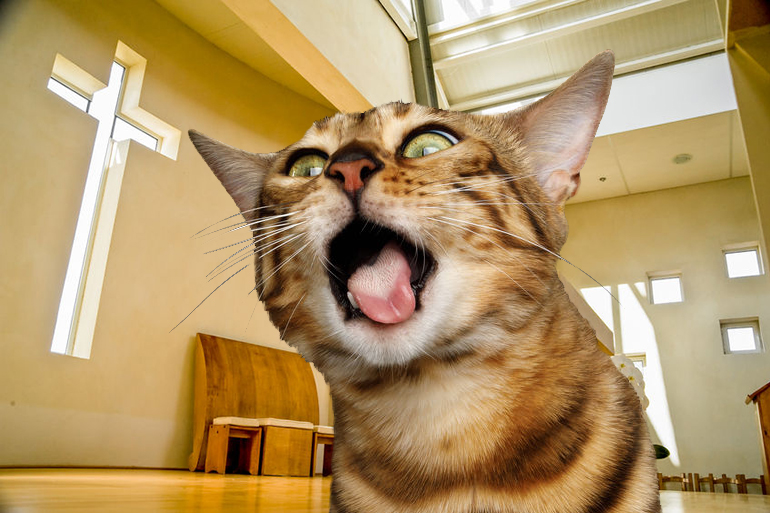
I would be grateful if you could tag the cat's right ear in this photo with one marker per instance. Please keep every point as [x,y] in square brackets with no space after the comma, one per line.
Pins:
[242,173]
[557,131]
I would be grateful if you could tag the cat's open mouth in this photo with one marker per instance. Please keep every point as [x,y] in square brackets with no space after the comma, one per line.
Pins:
[377,273]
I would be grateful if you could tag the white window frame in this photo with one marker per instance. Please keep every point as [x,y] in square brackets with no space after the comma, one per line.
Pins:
[400,11]
[662,275]
[746,322]
[740,248]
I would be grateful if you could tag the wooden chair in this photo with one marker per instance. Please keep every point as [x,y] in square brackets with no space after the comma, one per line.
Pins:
[744,482]
[697,480]
[726,482]
[682,479]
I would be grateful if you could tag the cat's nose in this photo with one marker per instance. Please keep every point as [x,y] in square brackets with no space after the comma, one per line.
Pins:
[352,170]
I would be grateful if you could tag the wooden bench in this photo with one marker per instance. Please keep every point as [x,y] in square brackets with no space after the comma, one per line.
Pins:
[237,379]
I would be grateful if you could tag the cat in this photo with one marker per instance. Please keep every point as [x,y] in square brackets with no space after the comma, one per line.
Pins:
[409,253]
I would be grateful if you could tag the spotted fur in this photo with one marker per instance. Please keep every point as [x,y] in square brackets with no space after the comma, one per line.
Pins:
[493,395]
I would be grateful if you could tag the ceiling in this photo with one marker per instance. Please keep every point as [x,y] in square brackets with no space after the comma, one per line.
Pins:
[534,45]
[489,53]
[643,160]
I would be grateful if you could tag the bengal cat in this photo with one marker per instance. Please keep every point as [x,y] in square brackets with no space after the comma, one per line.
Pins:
[410,253]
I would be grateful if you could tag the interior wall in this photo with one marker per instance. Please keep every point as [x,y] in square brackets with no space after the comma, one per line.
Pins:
[377,64]
[696,392]
[130,404]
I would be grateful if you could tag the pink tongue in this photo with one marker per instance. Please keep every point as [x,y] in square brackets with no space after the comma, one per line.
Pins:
[382,290]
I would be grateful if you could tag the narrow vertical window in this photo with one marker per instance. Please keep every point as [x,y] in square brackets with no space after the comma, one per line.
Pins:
[120,119]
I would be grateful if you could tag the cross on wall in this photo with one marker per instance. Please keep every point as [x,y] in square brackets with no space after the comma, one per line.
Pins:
[120,119]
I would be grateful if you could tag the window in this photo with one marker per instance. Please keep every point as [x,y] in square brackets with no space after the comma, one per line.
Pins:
[666,288]
[120,119]
[69,94]
[741,336]
[743,260]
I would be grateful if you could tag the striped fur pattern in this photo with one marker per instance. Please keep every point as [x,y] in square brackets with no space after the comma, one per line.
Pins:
[492,395]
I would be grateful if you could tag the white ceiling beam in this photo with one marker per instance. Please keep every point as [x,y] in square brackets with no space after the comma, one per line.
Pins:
[519,93]
[550,33]
[440,35]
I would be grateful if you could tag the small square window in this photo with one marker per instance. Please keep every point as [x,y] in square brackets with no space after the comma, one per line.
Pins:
[743,260]
[741,336]
[666,288]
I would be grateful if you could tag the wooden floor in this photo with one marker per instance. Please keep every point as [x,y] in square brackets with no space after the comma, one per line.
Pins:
[110,491]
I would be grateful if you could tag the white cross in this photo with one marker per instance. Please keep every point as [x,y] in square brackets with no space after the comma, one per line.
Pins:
[116,107]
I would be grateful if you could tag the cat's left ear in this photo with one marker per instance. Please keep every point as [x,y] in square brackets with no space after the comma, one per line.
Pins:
[242,173]
[559,129]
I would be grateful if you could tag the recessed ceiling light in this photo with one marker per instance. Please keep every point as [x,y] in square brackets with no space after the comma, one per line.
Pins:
[682,158]
[602,178]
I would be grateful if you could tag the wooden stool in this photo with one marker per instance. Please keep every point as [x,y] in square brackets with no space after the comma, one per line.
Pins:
[322,435]
[285,447]
[219,440]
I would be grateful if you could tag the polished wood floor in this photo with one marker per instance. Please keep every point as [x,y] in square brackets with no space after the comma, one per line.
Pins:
[118,491]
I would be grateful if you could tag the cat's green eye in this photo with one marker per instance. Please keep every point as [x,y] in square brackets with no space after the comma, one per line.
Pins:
[308,165]
[426,143]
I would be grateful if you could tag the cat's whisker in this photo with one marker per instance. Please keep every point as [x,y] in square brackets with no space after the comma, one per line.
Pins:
[330,335]
[488,183]
[210,293]
[253,242]
[256,251]
[280,224]
[289,259]
[523,264]
[492,203]
[242,213]
[524,239]
[245,224]
[292,315]
[467,183]
[223,262]
[252,313]
[324,261]
[228,246]
[516,282]
[280,242]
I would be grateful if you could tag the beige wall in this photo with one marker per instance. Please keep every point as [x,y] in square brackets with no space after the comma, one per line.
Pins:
[130,404]
[360,40]
[689,379]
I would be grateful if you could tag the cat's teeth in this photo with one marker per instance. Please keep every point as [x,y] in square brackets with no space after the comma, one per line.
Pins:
[352,301]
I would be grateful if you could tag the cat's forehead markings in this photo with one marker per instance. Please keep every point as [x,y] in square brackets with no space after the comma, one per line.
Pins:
[387,126]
